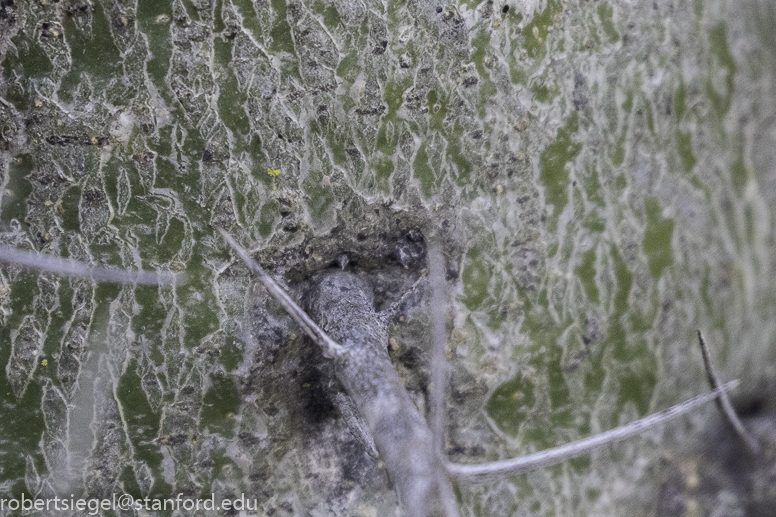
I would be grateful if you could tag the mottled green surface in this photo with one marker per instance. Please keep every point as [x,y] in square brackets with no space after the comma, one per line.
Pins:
[604,168]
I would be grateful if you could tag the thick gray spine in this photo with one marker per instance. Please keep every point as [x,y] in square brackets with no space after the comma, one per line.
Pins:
[342,305]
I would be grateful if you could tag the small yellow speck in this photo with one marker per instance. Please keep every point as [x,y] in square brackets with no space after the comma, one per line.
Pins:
[401,318]
[499,189]
[47,202]
[38,103]
[194,442]
[55,33]
[124,21]
[274,187]
[44,362]
[59,122]
[394,344]
[94,141]
[496,23]
[273,172]
[60,209]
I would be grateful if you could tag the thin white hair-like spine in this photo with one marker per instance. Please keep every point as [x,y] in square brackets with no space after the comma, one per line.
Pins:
[69,267]
[329,346]
[522,464]
[436,276]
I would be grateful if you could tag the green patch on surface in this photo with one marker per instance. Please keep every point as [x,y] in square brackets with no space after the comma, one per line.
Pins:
[517,74]
[592,186]
[383,170]
[680,101]
[684,148]
[536,32]
[657,239]
[283,41]
[634,359]
[230,98]
[437,110]
[462,164]
[605,15]
[543,92]
[69,211]
[172,241]
[248,17]
[560,395]
[199,320]
[21,428]
[649,117]
[594,223]
[220,405]
[158,37]
[511,403]
[267,218]
[553,162]
[218,19]
[17,190]
[231,355]
[336,144]
[92,53]
[331,17]
[321,197]
[617,155]
[480,44]
[387,138]
[585,271]
[749,215]
[739,175]
[637,388]
[394,92]
[348,67]
[146,321]
[422,170]
[32,62]
[475,280]
[627,105]
[142,421]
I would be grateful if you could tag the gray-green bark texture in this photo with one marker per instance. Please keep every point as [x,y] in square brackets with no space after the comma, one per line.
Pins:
[600,174]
